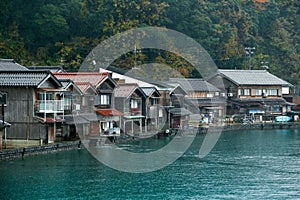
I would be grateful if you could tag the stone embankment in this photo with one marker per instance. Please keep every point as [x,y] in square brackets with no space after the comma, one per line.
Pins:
[10,154]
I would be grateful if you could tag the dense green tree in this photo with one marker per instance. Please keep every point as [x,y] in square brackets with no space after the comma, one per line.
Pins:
[51,32]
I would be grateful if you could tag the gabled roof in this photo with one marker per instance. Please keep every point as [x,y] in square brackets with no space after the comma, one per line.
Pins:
[252,77]
[149,91]
[26,78]
[194,85]
[127,89]
[94,78]
[50,68]
[66,83]
[85,86]
[175,88]
[11,65]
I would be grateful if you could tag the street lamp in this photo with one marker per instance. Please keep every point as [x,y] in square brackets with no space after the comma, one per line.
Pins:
[249,53]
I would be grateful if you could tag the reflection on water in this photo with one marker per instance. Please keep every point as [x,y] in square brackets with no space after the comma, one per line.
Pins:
[244,164]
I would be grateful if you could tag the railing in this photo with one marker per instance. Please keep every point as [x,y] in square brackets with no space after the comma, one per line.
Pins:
[50,106]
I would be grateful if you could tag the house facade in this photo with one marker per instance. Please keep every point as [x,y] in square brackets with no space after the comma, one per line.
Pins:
[131,100]
[94,114]
[208,99]
[34,105]
[153,110]
[256,93]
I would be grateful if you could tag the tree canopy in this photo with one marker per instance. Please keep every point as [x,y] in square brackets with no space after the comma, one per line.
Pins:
[63,32]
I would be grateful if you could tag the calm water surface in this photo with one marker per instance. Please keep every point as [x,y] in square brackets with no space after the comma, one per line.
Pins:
[243,165]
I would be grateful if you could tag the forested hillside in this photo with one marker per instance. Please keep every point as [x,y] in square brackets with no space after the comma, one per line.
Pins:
[63,32]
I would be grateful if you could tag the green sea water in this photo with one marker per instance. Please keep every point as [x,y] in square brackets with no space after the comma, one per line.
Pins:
[252,164]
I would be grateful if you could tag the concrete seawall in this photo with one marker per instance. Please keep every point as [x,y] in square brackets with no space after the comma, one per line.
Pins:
[10,154]
[288,125]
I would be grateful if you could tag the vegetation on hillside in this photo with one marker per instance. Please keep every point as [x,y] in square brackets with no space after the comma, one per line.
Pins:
[63,32]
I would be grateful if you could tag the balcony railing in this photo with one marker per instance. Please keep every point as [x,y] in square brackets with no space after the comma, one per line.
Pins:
[50,106]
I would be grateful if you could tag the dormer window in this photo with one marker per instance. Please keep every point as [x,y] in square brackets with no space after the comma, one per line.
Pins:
[134,103]
[105,99]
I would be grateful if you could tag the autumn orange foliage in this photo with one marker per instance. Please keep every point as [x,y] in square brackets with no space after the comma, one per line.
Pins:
[259,4]
[261,1]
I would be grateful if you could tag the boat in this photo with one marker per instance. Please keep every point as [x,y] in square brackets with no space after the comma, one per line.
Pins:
[283,119]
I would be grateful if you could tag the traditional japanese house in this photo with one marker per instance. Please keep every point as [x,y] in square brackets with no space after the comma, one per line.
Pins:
[208,99]
[11,65]
[34,104]
[171,97]
[257,93]
[131,100]
[97,104]
[154,115]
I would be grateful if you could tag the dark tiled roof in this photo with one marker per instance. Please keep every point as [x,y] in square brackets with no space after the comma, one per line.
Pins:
[252,77]
[50,68]
[66,83]
[194,85]
[24,78]
[150,90]
[11,65]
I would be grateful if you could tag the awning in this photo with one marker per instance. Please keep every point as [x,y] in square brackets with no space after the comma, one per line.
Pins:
[180,111]
[109,112]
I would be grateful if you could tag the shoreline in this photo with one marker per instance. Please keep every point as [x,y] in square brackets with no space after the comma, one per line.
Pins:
[23,152]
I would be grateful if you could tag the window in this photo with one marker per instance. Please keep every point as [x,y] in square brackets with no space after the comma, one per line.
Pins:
[244,92]
[134,103]
[45,96]
[272,92]
[104,99]
[258,92]
[68,103]
[209,95]
[85,100]
[3,97]
[285,90]
[154,101]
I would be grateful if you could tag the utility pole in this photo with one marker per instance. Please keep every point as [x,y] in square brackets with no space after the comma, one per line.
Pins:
[3,102]
[135,52]
[249,53]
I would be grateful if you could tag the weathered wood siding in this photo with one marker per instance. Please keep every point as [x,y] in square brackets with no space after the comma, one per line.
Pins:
[19,112]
